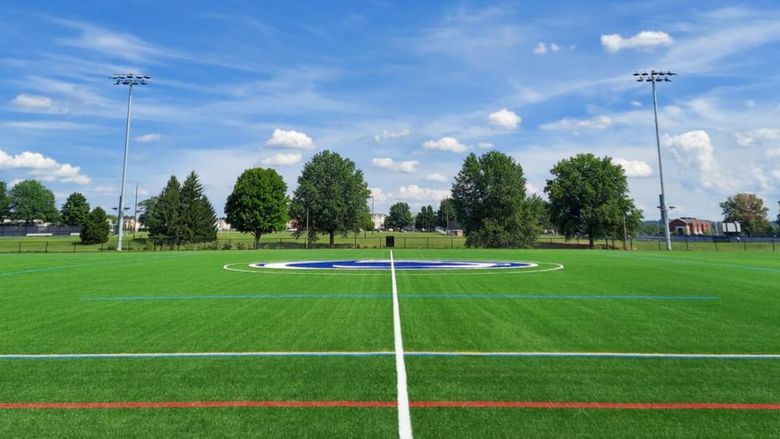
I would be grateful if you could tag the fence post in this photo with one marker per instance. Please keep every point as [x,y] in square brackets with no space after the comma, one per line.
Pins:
[773,245]
[74,247]
[404,241]
[452,242]
[428,243]
[46,248]
[716,244]
[659,244]
[687,247]
[20,248]
[744,244]
[355,241]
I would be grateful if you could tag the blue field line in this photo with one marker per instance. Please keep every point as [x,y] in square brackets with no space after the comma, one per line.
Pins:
[191,355]
[405,296]
[431,354]
[238,296]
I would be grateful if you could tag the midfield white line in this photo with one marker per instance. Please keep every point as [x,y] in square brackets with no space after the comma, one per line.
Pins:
[404,417]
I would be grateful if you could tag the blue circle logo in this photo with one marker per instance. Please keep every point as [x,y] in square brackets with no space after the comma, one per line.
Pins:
[399,265]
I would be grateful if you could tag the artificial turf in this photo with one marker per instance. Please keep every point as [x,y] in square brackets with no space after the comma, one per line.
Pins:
[149,302]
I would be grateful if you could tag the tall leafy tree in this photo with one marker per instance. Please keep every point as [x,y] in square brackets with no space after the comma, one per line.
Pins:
[4,210]
[334,193]
[95,229]
[29,200]
[163,216]
[489,198]
[197,215]
[75,210]
[749,211]
[426,219]
[258,203]
[446,213]
[400,217]
[589,197]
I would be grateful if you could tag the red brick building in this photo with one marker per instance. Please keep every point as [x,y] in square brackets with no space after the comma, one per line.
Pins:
[690,226]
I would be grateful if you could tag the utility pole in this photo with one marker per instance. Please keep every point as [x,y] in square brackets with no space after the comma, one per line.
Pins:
[129,79]
[652,77]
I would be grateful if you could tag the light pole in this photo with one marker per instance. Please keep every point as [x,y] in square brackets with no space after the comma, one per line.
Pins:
[652,77]
[130,80]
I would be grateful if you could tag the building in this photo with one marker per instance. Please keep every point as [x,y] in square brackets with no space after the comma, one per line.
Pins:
[690,226]
[379,220]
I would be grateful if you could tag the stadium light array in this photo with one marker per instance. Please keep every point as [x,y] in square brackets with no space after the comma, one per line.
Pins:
[130,80]
[653,77]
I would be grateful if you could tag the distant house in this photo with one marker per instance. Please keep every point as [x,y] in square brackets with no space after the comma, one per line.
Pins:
[222,225]
[379,220]
[690,226]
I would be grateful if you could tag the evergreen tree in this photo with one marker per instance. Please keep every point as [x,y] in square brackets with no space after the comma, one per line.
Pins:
[164,220]
[258,203]
[4,211]
[446,213]
[426,219]
[29,200]
[197,215]
[75,210]
[95,229]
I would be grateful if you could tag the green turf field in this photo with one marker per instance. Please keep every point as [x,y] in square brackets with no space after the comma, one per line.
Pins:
[452,324]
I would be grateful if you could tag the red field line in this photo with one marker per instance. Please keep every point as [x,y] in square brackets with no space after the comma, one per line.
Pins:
[390,404]
[597,405]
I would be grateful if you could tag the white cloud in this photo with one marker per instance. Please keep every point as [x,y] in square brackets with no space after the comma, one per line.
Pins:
[692,149]
[643,40]
[282,159]
[407,167]
[436,177]
[378,194]
[636,104]
[543,48]
[148,138]
[413,192]
[756,137]
[772,153]
[505,119]
[290,139]
[485,145]
[576,125]
[32,102]
[445,144]
[635,168]
[532,190]
[390,135]
[44,168]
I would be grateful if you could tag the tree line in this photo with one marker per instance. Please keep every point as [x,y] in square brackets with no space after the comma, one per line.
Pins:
[587,197]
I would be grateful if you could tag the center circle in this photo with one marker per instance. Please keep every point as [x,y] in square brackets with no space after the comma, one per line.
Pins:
[398,265]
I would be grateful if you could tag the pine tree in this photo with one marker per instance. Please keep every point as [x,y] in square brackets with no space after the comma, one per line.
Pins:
[165,217]
[75,210]
[95,229]
[197,215]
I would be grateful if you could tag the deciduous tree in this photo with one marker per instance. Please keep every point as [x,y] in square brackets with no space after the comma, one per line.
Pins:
[4,211]
[399,217]
[258,203]
[29,200]
[749,211]
[489,198]
[334,193]
[589,197]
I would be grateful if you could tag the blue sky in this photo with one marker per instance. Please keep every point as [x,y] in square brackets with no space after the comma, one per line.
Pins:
[406,90]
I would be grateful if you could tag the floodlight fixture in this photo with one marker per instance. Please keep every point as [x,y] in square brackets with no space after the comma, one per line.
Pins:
[653,77]
[131,80]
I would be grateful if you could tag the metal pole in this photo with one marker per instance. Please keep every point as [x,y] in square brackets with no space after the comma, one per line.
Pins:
[664,211]
[120,211]
[135,213]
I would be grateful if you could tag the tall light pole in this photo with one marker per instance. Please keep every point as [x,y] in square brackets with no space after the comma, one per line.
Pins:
[130,80]
[652,77]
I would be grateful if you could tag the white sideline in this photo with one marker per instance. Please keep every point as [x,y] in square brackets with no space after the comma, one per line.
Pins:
[404,417]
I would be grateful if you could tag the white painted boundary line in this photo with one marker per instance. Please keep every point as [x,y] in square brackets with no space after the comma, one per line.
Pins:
[648,355]
[404,417]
